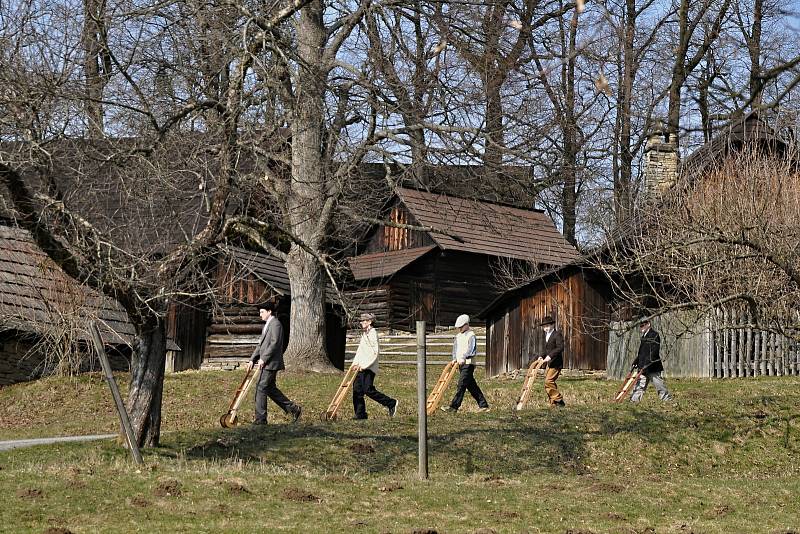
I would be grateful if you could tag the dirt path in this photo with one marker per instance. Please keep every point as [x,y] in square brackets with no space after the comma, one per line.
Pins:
[18,443]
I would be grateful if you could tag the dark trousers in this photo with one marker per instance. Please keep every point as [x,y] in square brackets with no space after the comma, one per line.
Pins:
[466,381]
[266,388]
[363,385]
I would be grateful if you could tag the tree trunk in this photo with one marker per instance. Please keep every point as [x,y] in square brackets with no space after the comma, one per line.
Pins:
[305,205]
[678,73]
[95,64]
[147,382]
[569,165]
[754,49]
[494,139]
[623,187]
[307,350]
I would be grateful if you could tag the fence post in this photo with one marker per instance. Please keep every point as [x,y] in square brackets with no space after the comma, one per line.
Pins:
[422,431]
[123,413]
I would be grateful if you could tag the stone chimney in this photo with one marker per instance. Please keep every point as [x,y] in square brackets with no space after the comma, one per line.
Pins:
[661,163]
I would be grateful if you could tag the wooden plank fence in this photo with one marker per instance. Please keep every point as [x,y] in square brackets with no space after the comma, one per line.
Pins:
[397,348]
[717,345]
[401,348]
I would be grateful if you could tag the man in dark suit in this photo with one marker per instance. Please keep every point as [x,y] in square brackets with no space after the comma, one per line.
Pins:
[268,356]
[649,361]
[553,356]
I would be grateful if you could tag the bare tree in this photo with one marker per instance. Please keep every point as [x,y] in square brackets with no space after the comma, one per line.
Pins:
[494,40]
[96,62]
[726,238]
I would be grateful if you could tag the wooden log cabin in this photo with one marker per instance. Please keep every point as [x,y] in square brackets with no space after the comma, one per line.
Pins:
[581,298]
[243,280]
[439,257]
[577,297]
[44,313]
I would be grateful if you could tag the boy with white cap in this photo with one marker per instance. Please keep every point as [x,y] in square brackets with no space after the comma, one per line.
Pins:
[366,363]
[465,347]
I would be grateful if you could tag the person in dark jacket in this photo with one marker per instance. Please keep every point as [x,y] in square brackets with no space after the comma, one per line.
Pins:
[268,357]
[553,356]
[649,361]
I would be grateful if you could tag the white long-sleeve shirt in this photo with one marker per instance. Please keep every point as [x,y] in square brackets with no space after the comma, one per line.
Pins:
[465,346]
[368,350]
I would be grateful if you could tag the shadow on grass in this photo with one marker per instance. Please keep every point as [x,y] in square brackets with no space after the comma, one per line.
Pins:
[497,444]
[501,446]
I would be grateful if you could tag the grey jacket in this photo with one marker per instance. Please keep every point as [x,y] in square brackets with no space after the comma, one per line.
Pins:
[270,347]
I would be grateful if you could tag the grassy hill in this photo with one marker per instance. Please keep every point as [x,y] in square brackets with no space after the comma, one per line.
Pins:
[724,458]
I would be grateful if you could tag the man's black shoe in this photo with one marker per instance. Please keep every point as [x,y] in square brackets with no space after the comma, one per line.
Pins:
[393,409]
[356,418]
[560,403]
[259,423]
[298,410]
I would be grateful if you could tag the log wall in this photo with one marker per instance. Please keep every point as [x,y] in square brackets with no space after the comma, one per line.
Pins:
[581,313]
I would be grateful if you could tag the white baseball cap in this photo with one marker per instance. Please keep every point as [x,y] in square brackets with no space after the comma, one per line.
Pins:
[462,320]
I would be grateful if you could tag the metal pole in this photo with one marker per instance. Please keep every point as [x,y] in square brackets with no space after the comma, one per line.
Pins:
[422,432]
[123,413]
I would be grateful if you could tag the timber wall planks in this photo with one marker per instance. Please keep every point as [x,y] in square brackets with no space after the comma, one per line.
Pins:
[581,314]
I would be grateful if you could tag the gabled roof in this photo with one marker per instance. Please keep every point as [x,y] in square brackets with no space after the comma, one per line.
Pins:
[271,271]
[35,293]
[751,129]
[488,228]
[385,264]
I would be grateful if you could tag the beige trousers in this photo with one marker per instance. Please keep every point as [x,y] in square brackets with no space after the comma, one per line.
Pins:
[550,377]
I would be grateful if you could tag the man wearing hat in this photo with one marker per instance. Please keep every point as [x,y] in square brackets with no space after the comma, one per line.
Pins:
[465,347]
[554,358]
[649,361]
[268,356]
[366,363]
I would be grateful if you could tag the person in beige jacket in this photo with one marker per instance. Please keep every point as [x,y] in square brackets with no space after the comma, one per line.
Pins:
[366,363]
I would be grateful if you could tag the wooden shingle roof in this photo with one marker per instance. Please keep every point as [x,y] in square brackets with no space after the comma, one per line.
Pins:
[271,271]
[34,293]
[488,228]
[385,264]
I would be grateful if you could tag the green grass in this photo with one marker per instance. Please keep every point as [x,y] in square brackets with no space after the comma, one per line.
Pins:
[724,458]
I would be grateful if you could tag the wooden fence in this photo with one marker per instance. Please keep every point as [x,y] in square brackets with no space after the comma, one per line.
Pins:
[401,348]
[708,346]
[396,349]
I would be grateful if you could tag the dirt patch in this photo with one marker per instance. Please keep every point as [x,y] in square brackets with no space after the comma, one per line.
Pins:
[341,479]
[168,488]
[58,530]
[30,493]
[424,531]
[390,488]
[362,448]
[504,516]
[298,495]
[615,516]
[494,480]
[139,502]
[236,487]
[720,511]
[484,530]
[604,487]
[571,531]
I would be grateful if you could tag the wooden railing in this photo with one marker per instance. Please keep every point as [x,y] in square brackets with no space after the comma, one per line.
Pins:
[401,348]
